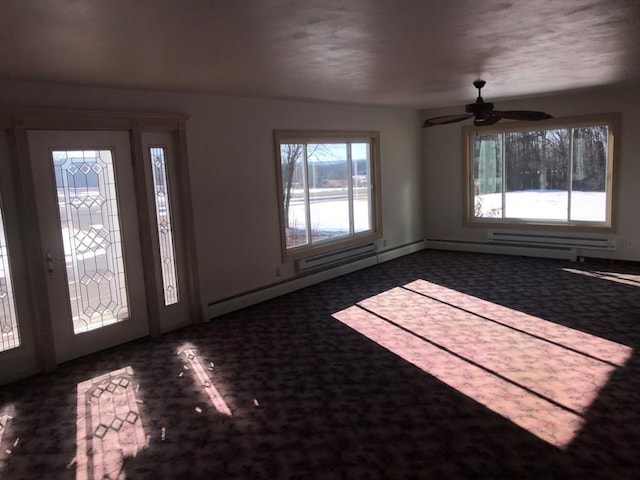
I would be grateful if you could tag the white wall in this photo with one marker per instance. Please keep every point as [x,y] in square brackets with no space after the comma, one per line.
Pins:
[233,170]
[442,152]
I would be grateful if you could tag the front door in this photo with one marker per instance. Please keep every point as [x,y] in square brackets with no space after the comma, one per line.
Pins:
[88,219]
[18,356]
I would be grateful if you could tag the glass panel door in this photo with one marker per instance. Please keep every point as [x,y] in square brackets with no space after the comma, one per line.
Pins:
[87,211]
[9,333]
[17,344]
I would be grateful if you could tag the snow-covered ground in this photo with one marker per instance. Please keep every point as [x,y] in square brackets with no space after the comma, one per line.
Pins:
[331,216]
[546,205]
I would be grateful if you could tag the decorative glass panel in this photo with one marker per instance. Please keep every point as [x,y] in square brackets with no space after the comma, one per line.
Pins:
[165,231]
[89,220]
[9,335]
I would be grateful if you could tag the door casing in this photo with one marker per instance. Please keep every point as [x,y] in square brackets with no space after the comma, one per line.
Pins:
[16,122]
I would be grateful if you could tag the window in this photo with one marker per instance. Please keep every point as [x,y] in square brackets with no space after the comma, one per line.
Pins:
[163,224]
[328,190]
[9,335]
[559,174]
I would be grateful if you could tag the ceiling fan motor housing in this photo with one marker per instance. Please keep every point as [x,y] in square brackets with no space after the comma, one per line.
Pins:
[479,107]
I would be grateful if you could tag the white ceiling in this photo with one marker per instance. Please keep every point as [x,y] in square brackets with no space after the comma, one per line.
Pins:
[415,53]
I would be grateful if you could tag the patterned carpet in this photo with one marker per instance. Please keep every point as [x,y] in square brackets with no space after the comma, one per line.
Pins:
[437,365]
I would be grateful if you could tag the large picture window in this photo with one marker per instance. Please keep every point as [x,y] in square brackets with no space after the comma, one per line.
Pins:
[327,189]
[559,174]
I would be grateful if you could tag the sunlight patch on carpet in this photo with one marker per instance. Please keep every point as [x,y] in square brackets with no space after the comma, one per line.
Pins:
[202,376]
[109,428]
[540,375]
[623,278]
[7,443]
[4,426]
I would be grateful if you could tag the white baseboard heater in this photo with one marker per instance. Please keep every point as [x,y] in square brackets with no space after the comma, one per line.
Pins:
[335,258]
[541,245]
[551,240]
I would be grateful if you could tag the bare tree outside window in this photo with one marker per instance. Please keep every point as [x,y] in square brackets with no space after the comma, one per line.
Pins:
[291,156]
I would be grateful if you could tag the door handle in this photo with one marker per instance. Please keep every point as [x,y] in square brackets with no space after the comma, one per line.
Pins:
[50,259]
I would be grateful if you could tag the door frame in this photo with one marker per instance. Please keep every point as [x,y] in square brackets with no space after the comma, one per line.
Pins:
[16,122]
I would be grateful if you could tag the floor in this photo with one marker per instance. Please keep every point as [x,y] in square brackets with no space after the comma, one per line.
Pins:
[434,365]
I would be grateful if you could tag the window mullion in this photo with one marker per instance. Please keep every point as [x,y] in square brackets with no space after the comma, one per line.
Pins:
[350,188]
[570,173]
[307,205]
[503,161]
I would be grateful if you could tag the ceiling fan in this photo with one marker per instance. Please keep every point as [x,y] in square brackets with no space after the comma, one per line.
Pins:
[483,113]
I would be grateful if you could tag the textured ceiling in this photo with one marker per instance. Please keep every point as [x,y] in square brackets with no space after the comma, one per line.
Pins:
[422,53]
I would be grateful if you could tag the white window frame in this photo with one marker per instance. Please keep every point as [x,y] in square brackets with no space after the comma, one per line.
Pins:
[611,120]
[345,241]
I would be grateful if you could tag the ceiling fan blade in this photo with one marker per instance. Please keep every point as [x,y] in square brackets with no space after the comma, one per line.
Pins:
[529,115]
[446,119]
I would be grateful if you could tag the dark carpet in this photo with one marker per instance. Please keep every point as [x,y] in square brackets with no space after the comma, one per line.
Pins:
[437,365]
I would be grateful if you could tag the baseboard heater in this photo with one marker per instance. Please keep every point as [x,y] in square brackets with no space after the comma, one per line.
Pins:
[550,240]
[354,259]
[335,258]
[541,245]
